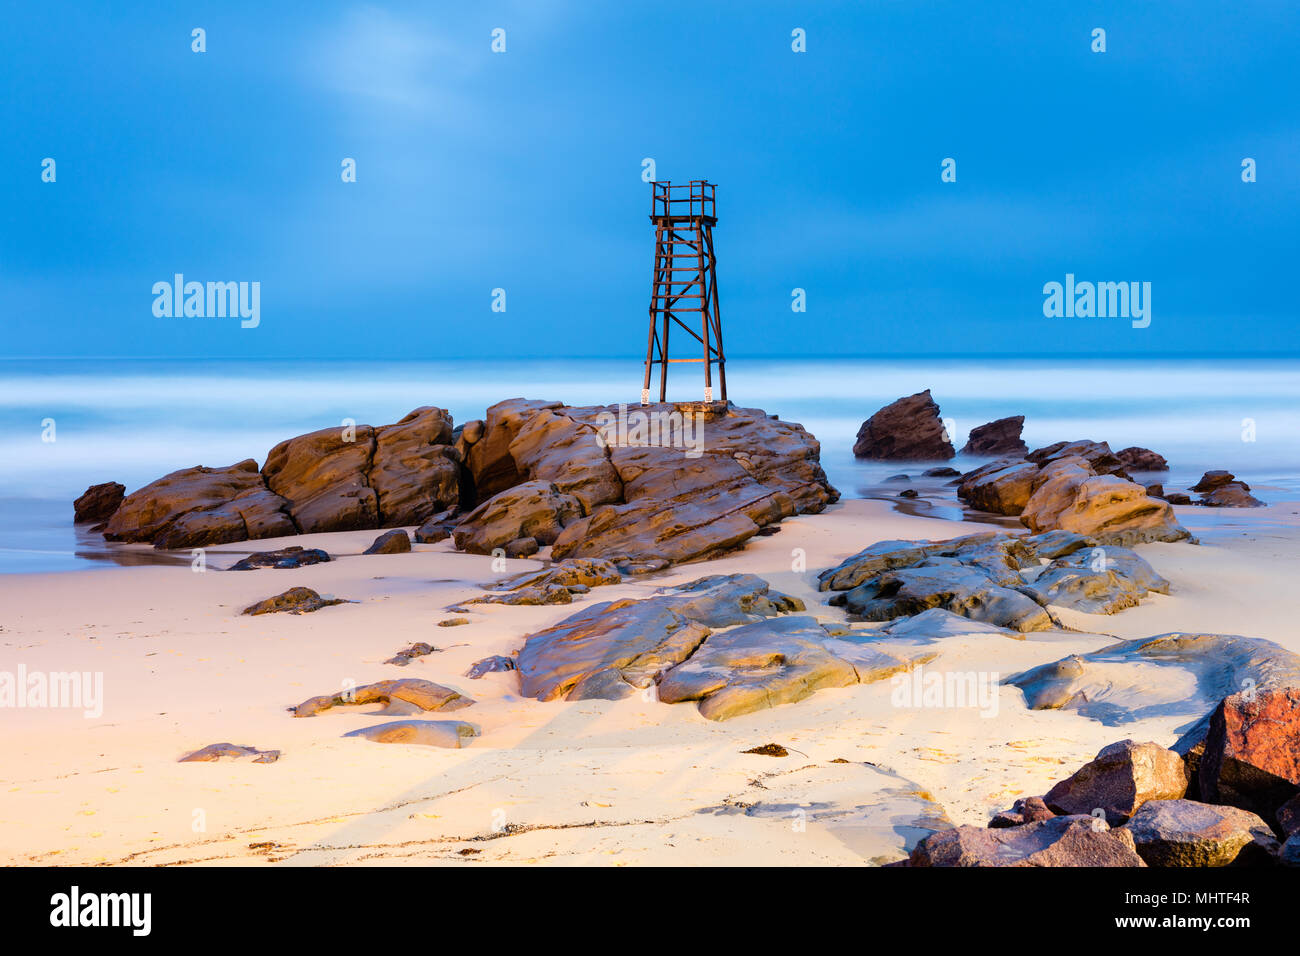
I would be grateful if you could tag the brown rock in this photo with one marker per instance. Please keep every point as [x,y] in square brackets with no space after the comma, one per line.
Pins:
[294,601]
[1252,751]
[1025,810]
[197,507]
[416,471]
[534,509]
[1101,460]
[1121,778]
[1213,479]
[1060,841]
[1105,507]
[1187,833]
[390,542]
[1288,816]
[294,556]
[1001,437]
[98,502]
[552,446]
[1135,458]
[1231,494]
[322,476]
[427,733]
[906,430]
[217,751]
[521,548]
[488,460]
[1002,490]
[399,696]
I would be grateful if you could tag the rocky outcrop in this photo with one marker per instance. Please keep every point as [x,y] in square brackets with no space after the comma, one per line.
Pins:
[909,429]
[1174,832]
[1121,778]
[1060,841]
[1231,494]
[237,751]
[992,578]
[549,594]
[1101,460]
[534,509]
[1251,757]
[427,733]
[294,556]
[1123,682]
[1000,487]
[574,572]
[198,507]
[400,697]
[390,542]
[1025,810]
[293,601]
[998,438]
[1135,458]
[98,502]
[1105,507]
[1213,479]
[765,664]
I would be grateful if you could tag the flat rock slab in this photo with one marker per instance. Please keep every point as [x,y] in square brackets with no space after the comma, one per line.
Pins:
[1060,841]
[1169,675]
[293,601]
[236,751]
[584,572]
[489,665]
[409,695]
[285,558]
[1097,580]
[426,733]
[756,666]
[877,814]
[937,623]
[1187,833]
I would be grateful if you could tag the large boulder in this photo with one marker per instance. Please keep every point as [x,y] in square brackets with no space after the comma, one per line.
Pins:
[427,733]
[1097,580]
[1002,488]
[1001,437]
[909,429]
[1111,509]
[322,476]
[1101,460]
[416,471]
[1122,777]
[98,502]
[1175,832]
[534,509]
[488,460]
[1213,479]
[552,446]
[1136,458]
[962,590]
[1231,494]
[1252,750]
[198,507]
[1060,841]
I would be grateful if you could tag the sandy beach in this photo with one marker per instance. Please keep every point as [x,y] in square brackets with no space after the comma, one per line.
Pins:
[625,782]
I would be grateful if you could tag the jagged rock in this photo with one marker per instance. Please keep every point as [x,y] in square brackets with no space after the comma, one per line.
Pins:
[534,509]
[1133,680]
[1000,488]
[546,594]
[400,697]
[1213,479]
[1096,580]
[1252,750]
[609,649]
[521,548]
[552,446]
[489,462]
[1105,507]
[428,733]
[416,471]
[1231,494]
[198,507]
[587,572]
[408,654]
[390,542]
[1173,832]
[1001,437]
[294,556]
[1136,458]
[755,666]
[294,601]
[98,502]
[489,665]
[1025,810]
[1097,454]
[909,429]
[217,751]
[1060,841]
[1122,777]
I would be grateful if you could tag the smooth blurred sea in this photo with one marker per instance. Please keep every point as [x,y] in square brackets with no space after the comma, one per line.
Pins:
[133,421]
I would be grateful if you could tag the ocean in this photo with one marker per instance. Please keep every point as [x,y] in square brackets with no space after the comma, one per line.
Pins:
[67,424]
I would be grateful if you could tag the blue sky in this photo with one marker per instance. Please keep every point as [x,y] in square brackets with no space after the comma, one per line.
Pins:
[522,170]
